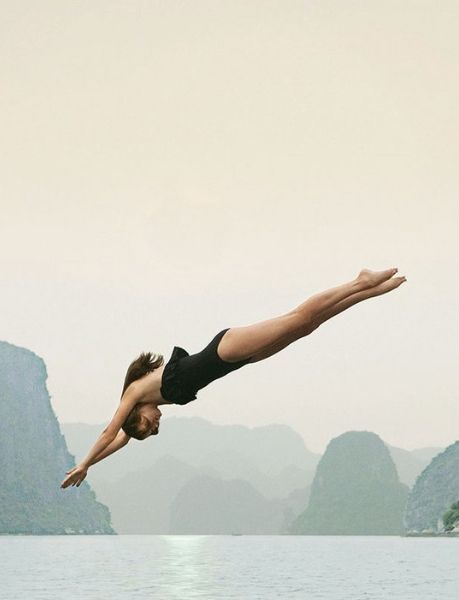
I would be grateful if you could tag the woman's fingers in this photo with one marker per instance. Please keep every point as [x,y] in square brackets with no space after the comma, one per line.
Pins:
[81,480]
[70,480]
[77,481]
[75,476]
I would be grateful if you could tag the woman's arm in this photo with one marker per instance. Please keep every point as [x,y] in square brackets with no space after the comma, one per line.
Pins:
[129,399]
[119,442]
[77,474]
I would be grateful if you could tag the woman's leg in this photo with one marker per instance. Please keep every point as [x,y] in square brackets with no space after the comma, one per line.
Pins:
[343,305]
[264,339]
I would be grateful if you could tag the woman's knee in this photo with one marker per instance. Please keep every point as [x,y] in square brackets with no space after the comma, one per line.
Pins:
[306,323]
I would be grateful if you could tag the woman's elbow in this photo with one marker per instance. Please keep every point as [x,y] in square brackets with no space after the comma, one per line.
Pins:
[125,438]
[107,435]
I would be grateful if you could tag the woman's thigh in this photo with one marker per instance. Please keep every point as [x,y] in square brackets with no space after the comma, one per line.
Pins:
[261,340]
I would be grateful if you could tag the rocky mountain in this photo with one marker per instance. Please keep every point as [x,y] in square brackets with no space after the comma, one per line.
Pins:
[34,457]
[435,490]
[356,490]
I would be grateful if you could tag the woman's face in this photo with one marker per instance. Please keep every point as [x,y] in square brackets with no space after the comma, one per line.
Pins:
[152,415]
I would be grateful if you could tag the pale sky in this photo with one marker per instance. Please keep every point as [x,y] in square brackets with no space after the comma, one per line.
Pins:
[173,168]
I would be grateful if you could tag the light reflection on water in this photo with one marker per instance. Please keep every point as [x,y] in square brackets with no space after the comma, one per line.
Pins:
[226,567]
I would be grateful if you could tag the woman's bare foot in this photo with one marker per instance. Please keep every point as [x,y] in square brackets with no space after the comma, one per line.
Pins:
[370,279]
[385,286]
[369,292]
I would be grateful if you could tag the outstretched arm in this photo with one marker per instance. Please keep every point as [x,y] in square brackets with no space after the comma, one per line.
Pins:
[76,475]
[119,442]
[129,399]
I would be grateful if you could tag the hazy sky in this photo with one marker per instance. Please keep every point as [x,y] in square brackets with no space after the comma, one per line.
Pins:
[173,168]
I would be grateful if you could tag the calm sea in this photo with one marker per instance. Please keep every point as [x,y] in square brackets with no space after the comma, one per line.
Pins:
[216,567]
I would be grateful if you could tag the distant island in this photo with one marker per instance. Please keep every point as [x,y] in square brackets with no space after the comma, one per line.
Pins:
[433,495]
[356,490]
[34,457]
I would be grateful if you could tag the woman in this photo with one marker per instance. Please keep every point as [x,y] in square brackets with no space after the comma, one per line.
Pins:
[149,383]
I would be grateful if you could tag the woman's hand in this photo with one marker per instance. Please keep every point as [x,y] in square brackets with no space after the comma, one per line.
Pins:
[75,476]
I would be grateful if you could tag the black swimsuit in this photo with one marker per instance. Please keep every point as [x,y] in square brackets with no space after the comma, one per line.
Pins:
[185,374]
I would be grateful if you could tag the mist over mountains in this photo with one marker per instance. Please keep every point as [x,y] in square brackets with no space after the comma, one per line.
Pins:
[269,467]
[198,477]
[202,477]
[262,452]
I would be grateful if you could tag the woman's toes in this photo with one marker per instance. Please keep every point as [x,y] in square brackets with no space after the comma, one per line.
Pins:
[374,278]
[388,285]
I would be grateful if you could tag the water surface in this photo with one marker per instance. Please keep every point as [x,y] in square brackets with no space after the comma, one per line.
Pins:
[223,567]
